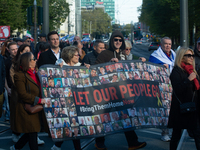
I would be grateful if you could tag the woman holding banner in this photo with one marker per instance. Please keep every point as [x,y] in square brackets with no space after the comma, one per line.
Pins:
[185,85]
[70,55]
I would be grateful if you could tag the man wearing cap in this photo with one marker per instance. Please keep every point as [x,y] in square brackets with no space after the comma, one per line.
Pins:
[42,38]
[197,56]
[19,42]
[27,40]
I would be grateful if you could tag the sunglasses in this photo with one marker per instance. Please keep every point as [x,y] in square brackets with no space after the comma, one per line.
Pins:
[33,59]
[77,55]
[120,40]
[29,41]
[189,55]
[128,49]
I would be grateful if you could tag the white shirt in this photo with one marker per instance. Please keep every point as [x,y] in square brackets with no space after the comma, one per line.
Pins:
[56,55]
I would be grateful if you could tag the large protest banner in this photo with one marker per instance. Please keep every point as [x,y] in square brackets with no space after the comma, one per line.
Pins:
[105,99]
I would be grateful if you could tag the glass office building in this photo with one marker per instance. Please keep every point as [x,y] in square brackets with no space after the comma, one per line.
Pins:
[108,4]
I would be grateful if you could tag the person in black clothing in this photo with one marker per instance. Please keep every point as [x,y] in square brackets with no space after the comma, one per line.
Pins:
[42,39]
[54,53]
[12,49]
[186,87]
[114,53]
[90,58]
[2,82]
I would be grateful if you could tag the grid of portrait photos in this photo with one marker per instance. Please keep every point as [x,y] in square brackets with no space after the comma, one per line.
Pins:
[62,118]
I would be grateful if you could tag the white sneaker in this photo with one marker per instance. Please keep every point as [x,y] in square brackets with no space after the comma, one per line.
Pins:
[12,147]
[55,148]
[40,142]
[165,138]
[15,138]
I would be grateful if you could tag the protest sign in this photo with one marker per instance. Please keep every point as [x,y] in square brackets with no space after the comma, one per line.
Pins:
[105,99]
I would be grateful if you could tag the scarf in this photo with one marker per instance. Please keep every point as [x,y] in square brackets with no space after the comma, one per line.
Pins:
[32,74]
[161,56]
[189,69]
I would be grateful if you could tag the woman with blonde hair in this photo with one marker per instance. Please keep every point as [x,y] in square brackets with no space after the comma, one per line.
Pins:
[128,53]
[185,85]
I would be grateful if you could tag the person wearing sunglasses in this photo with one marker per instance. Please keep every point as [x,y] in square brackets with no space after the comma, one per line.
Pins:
[115,53]
[185,83]
[128,53]
[27,40]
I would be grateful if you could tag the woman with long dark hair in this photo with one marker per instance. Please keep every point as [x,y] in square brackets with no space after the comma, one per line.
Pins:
[27,86]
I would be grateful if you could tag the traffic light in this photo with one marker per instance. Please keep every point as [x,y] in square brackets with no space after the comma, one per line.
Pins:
[40,15]
[135,34]
[29,15]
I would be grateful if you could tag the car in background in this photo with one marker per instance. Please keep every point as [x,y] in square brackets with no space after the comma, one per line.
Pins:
[138,42]
[153,46]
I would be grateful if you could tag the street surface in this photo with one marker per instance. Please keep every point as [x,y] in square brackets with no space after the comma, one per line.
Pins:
[113,142]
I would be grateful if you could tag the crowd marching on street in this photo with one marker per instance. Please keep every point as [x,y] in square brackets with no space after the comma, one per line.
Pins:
[19,84]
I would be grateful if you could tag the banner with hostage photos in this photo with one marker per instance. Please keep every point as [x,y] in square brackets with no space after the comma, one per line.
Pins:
[105,99]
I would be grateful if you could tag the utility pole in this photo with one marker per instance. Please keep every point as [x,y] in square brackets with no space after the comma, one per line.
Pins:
[78,18]
[184,23]
[35,22]
[45,26]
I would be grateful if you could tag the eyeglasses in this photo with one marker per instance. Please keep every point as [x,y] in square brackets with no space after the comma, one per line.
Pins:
[189,55]
[120,40]
[34,59]
[128,49]
[28,41]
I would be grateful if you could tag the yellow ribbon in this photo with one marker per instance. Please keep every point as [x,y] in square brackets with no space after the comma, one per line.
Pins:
[159,102]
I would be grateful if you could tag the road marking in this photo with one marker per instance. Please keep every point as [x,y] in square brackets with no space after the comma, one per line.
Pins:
[150,132]
[4,125]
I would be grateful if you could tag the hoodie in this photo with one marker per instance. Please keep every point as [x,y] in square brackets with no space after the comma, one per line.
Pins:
[107,55]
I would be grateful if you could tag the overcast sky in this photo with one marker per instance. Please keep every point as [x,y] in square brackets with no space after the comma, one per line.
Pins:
[126,11]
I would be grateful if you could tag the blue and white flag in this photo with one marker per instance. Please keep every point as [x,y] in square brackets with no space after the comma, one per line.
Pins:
[159,57]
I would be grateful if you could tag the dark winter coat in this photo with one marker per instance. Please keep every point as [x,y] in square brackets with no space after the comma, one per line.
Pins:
[25,90]
[197,60]
[184,90]
[90,58]
[47,58]
[2,74]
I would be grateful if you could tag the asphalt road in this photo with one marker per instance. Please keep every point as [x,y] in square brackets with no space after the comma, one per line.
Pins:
[141,50]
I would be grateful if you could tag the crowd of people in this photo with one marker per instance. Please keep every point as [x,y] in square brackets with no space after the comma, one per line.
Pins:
[20,84]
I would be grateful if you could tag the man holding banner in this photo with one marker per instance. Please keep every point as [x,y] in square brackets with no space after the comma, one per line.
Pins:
[114,53]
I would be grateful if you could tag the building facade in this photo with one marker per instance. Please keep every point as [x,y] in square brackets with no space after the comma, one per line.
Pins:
[108,4]
[68,27]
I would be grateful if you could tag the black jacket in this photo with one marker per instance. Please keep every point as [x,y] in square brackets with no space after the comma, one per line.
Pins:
[2,74]
[107,55]
[46,58]
[90,58]
[197,60]
[184,90]
[8,63]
